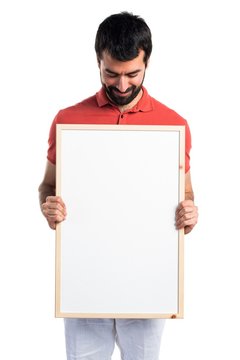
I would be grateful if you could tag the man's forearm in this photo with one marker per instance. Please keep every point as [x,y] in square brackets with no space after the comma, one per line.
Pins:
[189,195]
[44,192]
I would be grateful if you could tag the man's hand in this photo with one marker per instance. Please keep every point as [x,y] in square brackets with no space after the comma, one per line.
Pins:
[54,210]
[186,216]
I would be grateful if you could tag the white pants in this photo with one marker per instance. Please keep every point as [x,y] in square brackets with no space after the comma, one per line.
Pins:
[94,339]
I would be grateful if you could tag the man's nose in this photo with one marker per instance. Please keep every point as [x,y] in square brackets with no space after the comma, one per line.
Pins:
[122,84]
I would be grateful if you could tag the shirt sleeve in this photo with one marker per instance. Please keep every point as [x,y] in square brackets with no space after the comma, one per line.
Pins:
[51,154]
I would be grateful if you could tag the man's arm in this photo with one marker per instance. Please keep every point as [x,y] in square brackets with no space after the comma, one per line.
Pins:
[187,212]
[53,208]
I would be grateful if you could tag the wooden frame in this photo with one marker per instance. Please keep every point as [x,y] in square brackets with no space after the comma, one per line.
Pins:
[118,254]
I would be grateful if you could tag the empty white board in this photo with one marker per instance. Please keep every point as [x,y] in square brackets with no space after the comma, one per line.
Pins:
[118,253]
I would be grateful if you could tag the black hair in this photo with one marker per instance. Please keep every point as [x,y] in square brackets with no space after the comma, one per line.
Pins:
[122,36]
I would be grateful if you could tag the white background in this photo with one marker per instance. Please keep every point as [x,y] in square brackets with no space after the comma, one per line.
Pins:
[47,63]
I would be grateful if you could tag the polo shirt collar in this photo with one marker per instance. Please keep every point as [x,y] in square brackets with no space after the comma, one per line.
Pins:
[144,104]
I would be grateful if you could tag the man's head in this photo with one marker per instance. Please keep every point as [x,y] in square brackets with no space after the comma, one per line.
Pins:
[123,46]
[123,35]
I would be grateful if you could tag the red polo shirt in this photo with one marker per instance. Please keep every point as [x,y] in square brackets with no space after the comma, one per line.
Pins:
[98,110]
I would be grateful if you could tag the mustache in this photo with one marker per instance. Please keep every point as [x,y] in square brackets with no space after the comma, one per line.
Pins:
[120,92]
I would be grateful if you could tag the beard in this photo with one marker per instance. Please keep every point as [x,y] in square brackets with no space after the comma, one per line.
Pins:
[122,98]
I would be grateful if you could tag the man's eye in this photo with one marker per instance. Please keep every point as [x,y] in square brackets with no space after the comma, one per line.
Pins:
[132,75]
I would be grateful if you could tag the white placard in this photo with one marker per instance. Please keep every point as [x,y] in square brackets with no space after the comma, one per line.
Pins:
[118,254]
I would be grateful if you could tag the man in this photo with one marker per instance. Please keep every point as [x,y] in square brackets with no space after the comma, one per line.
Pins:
[123,47]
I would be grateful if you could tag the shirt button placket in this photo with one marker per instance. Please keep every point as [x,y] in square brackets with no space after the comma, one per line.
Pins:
[121,118]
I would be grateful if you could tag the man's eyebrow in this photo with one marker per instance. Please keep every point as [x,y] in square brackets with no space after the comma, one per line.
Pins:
[110,71]
[130,73]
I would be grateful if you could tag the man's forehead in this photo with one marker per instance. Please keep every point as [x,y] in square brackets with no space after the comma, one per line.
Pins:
[108,62]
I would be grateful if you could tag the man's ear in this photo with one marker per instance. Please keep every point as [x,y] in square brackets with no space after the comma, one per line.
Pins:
[147,63]
[98,61]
